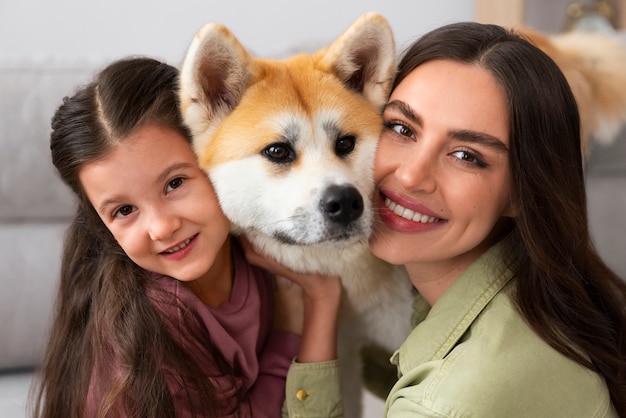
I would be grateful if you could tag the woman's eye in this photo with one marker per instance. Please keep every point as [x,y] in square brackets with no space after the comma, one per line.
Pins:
[175,184]
[468,157]
[123,211]
[402,130]
[399,128]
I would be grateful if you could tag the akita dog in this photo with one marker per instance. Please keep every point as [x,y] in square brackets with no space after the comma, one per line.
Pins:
[289,146]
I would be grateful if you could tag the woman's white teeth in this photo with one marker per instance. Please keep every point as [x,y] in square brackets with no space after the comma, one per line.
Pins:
[408,213]
[178,247]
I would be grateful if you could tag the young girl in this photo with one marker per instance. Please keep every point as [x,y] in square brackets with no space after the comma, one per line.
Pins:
[158,314]
[481,195]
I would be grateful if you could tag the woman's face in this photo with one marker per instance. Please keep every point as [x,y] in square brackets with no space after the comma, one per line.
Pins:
[442,169]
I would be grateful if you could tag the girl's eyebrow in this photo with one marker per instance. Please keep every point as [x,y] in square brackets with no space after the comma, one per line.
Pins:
[461,134]
[168,170]
[116,200]
[112,201]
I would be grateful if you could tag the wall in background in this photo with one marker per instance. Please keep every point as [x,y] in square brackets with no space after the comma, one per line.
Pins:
[66,30]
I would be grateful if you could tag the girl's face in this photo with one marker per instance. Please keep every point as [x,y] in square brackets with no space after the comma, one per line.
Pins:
[159,205]
[442,169]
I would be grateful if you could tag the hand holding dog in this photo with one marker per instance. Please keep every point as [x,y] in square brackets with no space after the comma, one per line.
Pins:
[288,306]
[315,309]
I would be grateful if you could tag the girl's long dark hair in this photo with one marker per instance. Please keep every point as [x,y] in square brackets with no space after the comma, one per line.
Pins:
[107,332]
[564,290]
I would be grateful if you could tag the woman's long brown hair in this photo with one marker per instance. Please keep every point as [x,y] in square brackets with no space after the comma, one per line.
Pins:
[564,289]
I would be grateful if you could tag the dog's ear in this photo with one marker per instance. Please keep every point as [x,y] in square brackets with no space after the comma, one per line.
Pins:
[363,58]
[213,77]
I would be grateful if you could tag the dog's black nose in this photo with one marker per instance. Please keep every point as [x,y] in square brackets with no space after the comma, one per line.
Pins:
[342,204]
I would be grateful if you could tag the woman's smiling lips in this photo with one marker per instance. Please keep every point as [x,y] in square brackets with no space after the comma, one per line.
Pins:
[404,219]
[407,213]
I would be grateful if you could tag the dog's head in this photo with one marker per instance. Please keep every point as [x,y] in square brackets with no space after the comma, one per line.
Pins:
[289,145]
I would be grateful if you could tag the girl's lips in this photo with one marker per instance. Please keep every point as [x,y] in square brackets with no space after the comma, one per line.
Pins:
[180,250]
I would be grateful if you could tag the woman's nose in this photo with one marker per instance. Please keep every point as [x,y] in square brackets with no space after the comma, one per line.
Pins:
[417,172]
[161,225]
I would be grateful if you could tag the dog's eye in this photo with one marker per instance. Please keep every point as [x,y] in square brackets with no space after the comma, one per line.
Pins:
[345,145]
[280,152]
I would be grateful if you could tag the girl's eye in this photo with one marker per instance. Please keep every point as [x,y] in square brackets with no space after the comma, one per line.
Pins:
[469,158]
[175,184]
[123,211]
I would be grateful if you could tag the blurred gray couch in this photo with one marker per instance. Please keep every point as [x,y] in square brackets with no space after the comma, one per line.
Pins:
[35,208]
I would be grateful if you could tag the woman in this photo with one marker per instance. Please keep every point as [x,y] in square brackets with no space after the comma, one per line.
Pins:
[481,196]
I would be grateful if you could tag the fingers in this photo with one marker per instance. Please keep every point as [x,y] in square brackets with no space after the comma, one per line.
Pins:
[281,282]
[288,307]
[312,283]
[256,257]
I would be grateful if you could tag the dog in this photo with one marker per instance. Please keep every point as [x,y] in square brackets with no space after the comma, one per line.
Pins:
[594,65]
[289,146]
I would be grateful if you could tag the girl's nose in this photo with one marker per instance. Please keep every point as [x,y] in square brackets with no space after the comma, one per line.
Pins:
[161,225]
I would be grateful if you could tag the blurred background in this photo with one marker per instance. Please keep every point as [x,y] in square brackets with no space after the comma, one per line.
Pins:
[67,30]
[75,29]
[49,48]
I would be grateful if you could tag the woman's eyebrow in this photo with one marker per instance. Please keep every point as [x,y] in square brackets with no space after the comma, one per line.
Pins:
[481,138]
[460,134]
[406,111]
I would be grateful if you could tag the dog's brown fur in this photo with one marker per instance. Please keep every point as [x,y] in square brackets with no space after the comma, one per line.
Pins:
[595,67]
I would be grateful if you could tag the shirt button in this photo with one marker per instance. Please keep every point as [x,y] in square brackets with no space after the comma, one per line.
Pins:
[301,395]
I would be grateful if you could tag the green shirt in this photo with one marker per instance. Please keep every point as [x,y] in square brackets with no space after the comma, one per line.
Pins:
[473,355]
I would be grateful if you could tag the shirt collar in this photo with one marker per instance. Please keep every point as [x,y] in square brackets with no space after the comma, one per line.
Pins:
[439,328]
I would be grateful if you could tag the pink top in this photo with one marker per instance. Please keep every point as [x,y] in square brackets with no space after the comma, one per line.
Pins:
[241,330]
